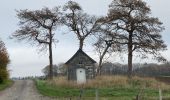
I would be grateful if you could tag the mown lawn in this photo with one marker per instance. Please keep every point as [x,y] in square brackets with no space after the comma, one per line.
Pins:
[5,84]
[105,93]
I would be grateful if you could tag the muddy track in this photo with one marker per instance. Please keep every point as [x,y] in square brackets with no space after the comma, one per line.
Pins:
[22,90]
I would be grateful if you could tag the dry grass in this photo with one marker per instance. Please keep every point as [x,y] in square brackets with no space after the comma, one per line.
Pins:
[111,81]
[107,81]
[148,82]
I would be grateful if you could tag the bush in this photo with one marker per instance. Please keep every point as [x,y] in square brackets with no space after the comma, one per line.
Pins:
[3,75]
[4,60]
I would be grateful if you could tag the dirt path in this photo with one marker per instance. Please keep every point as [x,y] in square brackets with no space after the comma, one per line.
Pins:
[22,90]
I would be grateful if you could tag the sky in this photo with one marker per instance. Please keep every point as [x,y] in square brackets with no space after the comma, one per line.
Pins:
[27,61]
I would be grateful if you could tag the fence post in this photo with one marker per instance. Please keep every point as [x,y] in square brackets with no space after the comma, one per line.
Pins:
[137,97]
[97,94]
[140,94]
[81,93]
[160,94]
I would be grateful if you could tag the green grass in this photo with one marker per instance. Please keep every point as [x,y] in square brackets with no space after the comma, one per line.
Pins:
[105,93]
[5,84]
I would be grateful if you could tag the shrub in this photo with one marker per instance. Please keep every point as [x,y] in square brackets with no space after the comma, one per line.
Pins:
[4,60]
[3,75]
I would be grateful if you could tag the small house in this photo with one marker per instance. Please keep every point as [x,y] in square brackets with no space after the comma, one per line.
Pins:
[80,67]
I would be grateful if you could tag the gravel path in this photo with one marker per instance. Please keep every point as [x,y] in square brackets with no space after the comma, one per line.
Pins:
[22,90]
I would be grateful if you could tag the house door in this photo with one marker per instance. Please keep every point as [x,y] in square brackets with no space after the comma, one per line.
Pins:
[81,75]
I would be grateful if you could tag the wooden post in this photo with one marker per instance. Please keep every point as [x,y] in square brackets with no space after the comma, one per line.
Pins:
[140,94]
[137,97]
[97,94]
[81,93]
[160,94]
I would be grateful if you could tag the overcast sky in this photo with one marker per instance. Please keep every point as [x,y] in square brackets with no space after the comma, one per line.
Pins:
[26,61]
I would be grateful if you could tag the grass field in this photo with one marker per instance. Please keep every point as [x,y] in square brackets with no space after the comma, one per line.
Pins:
[109,88]
[5,84]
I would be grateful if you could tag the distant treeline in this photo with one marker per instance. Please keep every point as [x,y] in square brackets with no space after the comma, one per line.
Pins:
[108,68]
[146,69]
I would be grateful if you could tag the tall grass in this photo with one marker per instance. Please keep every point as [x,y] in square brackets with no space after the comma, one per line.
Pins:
[111,81]
[109,87]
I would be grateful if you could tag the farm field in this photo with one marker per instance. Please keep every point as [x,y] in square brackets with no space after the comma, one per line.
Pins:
[107,88]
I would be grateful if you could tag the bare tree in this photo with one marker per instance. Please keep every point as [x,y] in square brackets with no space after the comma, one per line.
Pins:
[106,41]
[37,27]
[103,47]
[138,31]
[45,70]
[79,22]
[59,69]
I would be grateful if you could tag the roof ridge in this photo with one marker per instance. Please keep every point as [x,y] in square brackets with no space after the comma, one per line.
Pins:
[80,50]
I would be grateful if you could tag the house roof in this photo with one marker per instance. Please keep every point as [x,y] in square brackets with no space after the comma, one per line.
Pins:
[78,52]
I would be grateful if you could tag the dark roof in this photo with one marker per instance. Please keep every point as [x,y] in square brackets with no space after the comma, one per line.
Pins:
[82,52]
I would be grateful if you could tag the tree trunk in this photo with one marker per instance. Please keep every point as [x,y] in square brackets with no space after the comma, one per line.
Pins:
[81,43]
[101,59]
[100,66]
[50,57]
[130,56]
